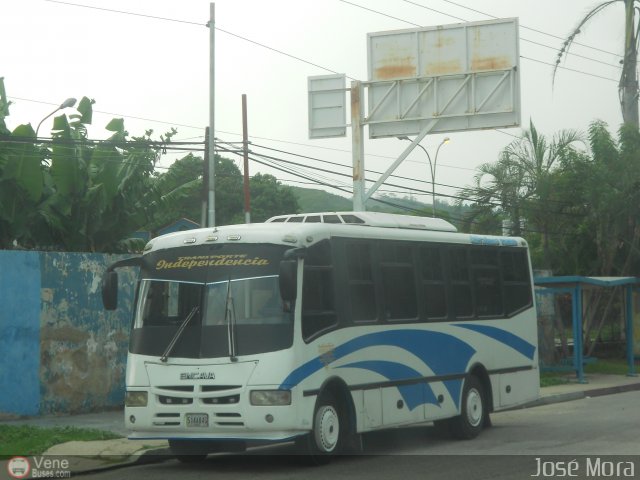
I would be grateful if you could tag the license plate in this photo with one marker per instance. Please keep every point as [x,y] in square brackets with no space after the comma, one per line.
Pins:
[197,419]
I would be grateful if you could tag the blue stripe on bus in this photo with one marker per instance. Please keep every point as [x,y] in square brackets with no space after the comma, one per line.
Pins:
[413,395]
[444,354]
[502,336]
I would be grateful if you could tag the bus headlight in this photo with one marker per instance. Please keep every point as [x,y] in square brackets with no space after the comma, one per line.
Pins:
[135,399]
[270,397]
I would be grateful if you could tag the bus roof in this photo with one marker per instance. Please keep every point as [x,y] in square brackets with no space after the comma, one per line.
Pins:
[306,229]
[372,219]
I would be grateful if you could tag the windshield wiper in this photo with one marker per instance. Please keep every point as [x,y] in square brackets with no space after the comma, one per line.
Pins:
[230,320]
[178,334]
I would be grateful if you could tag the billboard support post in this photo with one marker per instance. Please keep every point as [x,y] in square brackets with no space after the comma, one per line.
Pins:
[357,147]
[414,143]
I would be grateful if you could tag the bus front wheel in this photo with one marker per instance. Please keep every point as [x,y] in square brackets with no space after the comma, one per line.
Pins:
[473,411]
[329,430]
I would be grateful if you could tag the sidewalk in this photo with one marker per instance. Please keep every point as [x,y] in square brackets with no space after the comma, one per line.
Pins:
[104,454]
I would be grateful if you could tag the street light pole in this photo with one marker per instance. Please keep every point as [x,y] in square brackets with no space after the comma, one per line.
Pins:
[433,176]
[432,170]
[69,102]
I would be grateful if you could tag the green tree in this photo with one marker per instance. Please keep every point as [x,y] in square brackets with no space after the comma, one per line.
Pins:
[536,157]
[628,84]
[613,190]
[181,186]
[74,194]
[520,185]
[268,196]
[496,195]
[603,237]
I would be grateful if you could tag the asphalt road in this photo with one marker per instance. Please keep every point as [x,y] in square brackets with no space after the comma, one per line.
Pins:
[601,434]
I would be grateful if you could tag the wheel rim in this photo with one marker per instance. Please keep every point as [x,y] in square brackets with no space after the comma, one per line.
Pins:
[474,407]
[327,431]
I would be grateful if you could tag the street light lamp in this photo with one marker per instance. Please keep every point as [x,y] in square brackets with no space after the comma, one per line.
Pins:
[432,169]
[69,102]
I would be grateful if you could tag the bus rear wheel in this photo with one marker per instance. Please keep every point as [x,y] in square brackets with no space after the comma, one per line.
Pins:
[473,411]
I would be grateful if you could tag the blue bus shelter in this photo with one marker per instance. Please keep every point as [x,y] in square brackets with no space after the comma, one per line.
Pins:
[575,286]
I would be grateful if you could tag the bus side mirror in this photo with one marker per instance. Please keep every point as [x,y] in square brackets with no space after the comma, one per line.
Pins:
[110,290]
[288,279]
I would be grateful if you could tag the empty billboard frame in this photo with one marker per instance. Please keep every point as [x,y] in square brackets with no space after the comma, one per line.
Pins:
[464,75]
[327,106]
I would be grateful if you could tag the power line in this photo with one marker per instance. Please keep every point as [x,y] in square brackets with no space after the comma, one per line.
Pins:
[404,207]
[94,142]
[122,12]
[173,124]
[569,69]
[293,167]
[522,38]
[455,197]
[529,28]
[154,17]
[308,61]
[328,162]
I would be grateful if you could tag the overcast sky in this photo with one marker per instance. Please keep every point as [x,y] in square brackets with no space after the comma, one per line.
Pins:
[155,73]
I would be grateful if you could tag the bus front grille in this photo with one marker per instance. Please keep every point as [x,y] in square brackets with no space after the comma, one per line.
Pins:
[167,419]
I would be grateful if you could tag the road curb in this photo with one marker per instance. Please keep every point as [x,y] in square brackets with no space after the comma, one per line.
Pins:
[144,457]
[597,392]
[594,392]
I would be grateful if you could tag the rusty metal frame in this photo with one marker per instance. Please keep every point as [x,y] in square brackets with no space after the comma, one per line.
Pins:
[431,86]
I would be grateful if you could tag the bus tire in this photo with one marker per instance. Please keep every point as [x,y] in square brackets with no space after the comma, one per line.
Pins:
[329,431]
[473,411]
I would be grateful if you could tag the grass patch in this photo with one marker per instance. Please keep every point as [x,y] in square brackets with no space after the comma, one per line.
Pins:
[608,366]
[603,366]
[549,379]
[29,440]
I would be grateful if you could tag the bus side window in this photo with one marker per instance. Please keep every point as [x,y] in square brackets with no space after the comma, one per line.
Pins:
[398,281]
[318,311]
[460,282]
[516,281]
[318,303]
[362,292]
[486,282]
[433,298]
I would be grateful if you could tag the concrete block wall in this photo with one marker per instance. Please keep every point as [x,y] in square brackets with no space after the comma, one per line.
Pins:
[60,351]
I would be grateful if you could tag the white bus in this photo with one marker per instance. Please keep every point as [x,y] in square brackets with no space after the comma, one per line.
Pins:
[320,327]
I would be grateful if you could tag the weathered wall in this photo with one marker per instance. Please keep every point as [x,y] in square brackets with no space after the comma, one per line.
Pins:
[19,332]
[64,351]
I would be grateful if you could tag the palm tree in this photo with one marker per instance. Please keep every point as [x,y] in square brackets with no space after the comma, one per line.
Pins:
[497,191]
[538,157]
[521,181]
[628,85]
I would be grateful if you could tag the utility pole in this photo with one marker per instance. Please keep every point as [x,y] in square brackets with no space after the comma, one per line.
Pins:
[205,179]
[245,148]
[211,203]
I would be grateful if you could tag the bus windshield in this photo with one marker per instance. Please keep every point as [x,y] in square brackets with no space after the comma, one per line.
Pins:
[232,317]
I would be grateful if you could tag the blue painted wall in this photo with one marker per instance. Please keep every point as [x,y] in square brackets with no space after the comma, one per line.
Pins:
[57,342]
[19,332]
